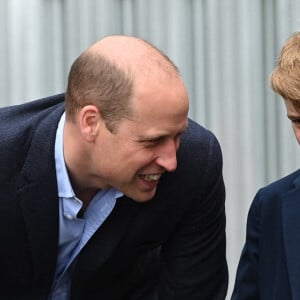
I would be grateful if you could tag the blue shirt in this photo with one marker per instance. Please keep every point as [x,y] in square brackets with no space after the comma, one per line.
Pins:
[74,232]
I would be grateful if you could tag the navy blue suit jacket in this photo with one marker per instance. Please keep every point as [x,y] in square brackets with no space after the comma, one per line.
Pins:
[269,267]
[172,247]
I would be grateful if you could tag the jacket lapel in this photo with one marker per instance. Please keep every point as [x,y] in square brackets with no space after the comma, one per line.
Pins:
[40,211]
[107,238]
[39,200]
[291,235]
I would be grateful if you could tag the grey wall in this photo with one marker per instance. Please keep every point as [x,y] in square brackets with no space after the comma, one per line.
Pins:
[225,50]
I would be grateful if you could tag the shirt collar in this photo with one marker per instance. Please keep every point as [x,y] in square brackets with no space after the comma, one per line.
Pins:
[64,186]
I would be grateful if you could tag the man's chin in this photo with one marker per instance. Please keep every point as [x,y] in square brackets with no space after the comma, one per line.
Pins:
[142,197]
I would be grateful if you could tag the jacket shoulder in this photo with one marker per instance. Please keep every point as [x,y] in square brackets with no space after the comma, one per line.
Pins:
[19,117]
[281,185]
[29,108]
[20,123]
[200,146]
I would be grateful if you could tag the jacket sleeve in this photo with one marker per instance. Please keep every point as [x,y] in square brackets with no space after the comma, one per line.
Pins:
[246,282]
[194,259]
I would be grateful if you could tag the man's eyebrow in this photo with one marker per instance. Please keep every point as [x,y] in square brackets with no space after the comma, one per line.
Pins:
[151,137]
[160,135]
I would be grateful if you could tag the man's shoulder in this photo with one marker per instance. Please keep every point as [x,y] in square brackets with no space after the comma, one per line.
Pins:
[21,124]
[195,131]
[200,142]
[32,106]
[17,116]
[199,158]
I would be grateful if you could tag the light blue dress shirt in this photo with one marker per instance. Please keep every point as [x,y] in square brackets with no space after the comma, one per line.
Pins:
[74,232]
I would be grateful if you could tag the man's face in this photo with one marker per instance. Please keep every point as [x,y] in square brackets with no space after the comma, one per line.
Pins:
[134,157]
[294,115]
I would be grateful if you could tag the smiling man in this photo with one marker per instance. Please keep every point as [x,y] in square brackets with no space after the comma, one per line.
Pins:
[110,191]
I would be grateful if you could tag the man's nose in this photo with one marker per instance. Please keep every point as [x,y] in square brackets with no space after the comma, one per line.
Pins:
[167,156]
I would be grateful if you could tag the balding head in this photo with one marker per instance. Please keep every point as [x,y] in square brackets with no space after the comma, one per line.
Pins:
[104,75]
[132,53]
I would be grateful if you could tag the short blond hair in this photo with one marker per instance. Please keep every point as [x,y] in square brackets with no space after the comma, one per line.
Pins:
[285,78]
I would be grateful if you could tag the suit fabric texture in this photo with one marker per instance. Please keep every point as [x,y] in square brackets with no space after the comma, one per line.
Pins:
[269,266]
[172,247]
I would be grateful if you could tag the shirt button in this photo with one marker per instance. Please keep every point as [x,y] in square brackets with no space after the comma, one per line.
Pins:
[69,217]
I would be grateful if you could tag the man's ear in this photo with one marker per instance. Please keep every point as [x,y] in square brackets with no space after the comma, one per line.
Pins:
[89,122]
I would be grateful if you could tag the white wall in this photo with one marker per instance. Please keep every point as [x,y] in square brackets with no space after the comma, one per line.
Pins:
[224,49]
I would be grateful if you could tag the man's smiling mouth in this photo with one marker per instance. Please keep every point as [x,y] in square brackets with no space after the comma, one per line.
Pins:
[150,177]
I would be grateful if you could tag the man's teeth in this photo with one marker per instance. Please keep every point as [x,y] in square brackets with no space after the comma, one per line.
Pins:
[151,177]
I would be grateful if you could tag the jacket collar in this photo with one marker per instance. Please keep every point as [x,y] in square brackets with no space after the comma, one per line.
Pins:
[291,235]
